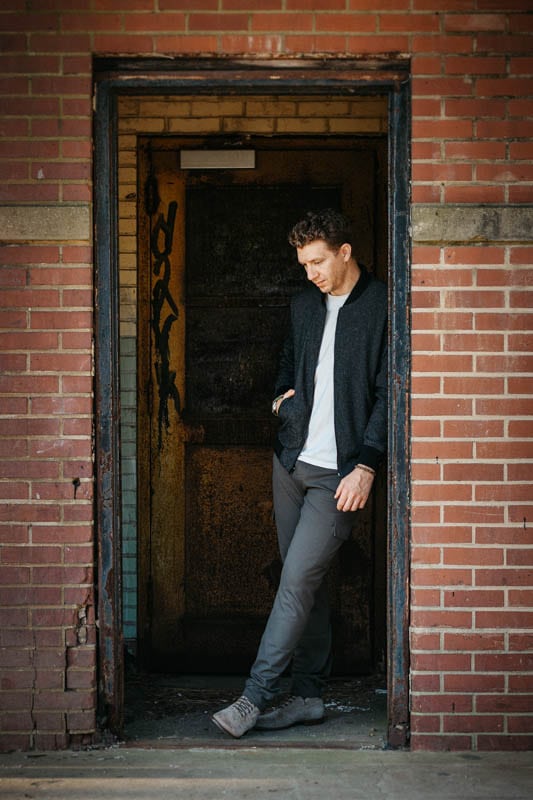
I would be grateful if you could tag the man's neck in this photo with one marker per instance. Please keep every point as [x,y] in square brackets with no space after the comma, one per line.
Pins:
[353,273]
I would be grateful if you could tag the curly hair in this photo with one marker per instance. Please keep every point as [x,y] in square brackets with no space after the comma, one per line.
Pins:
[329,225]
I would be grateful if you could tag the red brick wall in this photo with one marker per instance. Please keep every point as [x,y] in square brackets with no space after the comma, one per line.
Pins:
[46,557]
[472,609]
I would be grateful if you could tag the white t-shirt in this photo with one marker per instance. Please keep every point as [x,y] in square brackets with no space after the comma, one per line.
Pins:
[320,448]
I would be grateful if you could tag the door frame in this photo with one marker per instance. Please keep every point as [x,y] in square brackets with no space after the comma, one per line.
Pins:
[116,77]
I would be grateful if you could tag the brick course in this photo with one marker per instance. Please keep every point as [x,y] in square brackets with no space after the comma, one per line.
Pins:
[472,427]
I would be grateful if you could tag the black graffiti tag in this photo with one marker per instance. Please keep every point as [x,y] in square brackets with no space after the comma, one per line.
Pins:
[163,319]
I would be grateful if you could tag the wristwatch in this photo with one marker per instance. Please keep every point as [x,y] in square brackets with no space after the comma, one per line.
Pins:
[275,402]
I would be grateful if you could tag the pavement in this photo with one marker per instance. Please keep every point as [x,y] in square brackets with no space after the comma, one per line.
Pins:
[135,773]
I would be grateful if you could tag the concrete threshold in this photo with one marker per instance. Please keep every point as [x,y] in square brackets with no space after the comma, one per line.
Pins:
[169,711]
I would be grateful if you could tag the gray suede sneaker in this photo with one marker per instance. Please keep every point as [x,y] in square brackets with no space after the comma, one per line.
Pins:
[294,711]
[237,718]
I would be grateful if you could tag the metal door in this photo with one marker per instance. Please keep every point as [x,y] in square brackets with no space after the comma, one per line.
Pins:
[215,278]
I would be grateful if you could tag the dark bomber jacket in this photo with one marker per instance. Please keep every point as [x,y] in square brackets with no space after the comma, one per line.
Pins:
[360,374]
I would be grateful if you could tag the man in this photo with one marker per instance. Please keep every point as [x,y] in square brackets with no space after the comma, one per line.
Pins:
[331,399]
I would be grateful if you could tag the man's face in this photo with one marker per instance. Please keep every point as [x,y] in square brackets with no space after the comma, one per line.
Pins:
[328,269]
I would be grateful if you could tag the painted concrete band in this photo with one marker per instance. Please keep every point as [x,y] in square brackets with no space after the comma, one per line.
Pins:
[57,222]
[430,224]
[472,224]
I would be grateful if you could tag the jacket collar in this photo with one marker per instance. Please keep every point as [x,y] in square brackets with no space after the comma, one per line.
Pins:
[361,285]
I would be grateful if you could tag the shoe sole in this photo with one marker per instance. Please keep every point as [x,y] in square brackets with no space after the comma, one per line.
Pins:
[259,727]
[222,728]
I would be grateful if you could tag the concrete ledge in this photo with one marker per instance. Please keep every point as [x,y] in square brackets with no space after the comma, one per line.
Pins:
[472,224]
[46,222]
[431,224]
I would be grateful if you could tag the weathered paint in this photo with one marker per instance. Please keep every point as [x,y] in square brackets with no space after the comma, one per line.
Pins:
[107,414]
[398,456]
[161,432]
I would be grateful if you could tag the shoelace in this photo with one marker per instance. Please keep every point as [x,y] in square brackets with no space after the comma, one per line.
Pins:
[288,702]
[244,706]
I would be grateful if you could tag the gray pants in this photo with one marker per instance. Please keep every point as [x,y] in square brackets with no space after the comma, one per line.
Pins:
[310,531]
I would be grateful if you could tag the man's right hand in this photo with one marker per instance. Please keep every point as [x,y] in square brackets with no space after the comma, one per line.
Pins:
[281,398]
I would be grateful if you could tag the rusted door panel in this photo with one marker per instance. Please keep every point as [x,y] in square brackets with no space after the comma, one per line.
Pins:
[241,231]
[212,548]
[231,357]
[231,556]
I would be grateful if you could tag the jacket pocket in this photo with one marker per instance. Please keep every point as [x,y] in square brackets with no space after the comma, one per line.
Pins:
[291,428]
[342,528]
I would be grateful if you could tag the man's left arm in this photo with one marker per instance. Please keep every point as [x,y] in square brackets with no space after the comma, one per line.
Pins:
[353,490]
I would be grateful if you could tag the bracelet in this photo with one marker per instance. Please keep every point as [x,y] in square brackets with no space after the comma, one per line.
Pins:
[366,469]
[275,404]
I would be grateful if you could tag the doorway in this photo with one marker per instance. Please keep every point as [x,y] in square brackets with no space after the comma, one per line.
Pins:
[216,275]
[218,430]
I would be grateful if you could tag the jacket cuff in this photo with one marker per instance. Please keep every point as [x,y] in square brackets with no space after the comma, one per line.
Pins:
[369,456]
